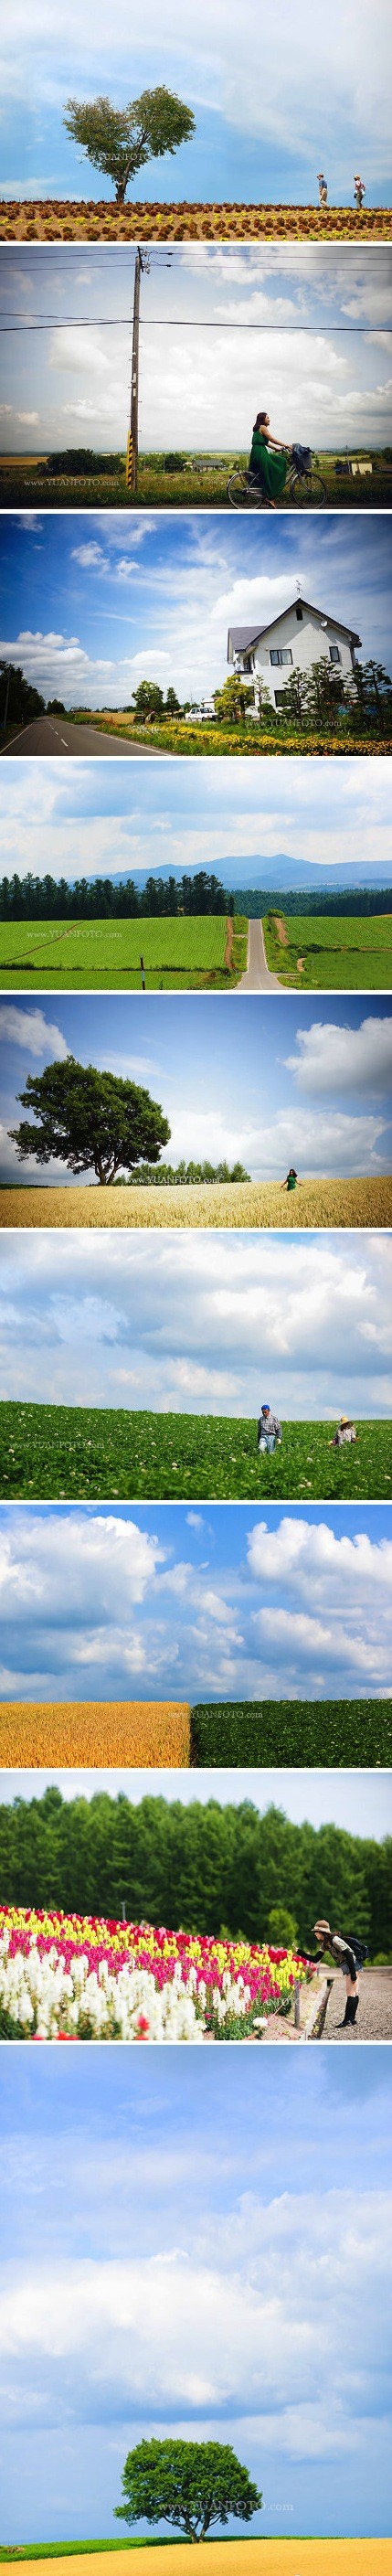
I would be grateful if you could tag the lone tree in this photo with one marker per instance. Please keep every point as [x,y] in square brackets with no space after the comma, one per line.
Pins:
[86,1118]
[120,140]
[191,2484]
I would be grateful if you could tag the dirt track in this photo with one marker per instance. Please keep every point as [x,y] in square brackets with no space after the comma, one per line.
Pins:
[94,1734]
[374,2016]
[244,2558]
[235,1204]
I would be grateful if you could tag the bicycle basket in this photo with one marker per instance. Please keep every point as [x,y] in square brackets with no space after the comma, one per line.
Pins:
[302,459]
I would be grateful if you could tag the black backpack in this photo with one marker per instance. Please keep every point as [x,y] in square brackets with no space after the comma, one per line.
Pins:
[360,1948]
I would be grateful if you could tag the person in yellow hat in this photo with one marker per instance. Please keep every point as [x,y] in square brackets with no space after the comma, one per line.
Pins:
[345,1433]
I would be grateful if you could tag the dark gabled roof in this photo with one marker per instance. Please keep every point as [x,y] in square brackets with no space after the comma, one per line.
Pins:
[242,637]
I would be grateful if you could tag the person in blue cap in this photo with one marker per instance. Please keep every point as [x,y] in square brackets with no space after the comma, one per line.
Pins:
[269,1430]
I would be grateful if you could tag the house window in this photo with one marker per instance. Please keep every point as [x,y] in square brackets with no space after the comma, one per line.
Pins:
[278,657]
[334,654]
[299,613]
[280,697]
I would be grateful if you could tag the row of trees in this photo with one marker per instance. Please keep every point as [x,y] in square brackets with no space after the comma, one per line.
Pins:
[312,700]
[209,1868]
[255,902]
[98,899]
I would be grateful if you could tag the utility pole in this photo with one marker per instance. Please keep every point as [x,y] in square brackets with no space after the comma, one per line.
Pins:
[141,264]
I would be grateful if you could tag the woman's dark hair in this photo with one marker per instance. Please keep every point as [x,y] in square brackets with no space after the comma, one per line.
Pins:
[291,1175]
[260,417]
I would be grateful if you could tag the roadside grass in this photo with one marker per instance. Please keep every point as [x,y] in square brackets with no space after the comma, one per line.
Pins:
[234,1204]
[204,484]
[331,1734]
[61,1451]
[182,953]
[325,951]
[94,219]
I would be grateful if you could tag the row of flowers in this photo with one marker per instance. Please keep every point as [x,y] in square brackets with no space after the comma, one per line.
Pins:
[72,1976]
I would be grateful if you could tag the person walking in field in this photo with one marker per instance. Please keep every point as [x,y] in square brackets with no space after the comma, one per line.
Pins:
[322,188]
[292,1181]
[345,1434]
[360,191]
[268,459]
[349,1955]
[269,1431]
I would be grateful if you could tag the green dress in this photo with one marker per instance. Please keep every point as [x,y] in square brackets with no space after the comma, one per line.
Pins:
[291,1183]
[269,465]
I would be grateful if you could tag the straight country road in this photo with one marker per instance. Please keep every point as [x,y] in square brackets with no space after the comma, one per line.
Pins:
[257,978]
[52,734]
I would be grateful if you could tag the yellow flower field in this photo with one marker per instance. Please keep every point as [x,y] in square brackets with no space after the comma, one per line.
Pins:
[94,1734]
[235,1203]
[248,2558]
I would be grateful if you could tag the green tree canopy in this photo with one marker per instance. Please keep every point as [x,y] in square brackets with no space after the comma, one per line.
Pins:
[190,2484]
[120,140]
[148,699]
[87,1118]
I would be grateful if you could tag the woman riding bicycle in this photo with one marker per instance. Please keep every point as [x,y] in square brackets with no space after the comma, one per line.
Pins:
[271,469]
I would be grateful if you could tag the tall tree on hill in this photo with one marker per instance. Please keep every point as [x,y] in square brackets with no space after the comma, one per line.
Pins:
[89,1119]
[120,140]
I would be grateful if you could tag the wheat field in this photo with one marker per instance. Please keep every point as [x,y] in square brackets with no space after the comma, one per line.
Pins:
[235,1204]
[95,1734]
[247,2558]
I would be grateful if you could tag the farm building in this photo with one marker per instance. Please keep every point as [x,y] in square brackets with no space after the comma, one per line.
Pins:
[294,641]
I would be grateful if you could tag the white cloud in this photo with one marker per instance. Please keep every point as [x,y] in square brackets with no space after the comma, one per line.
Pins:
[309,1557]
[31,1031]
[343,1059]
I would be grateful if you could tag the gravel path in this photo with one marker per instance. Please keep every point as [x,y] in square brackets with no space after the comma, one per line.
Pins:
[374,2016]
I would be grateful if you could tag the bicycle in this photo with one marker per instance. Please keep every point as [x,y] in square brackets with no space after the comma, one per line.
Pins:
[304,487]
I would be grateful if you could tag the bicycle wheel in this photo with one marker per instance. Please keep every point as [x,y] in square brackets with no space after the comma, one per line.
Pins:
[308,491]
[244,493]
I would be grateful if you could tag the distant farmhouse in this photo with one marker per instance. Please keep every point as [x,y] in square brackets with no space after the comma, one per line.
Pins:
[294,641]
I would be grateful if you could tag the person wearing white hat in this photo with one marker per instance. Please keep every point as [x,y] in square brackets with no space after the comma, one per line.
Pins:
[345,1433]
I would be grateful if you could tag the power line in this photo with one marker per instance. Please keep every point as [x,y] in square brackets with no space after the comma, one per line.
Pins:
[167,322]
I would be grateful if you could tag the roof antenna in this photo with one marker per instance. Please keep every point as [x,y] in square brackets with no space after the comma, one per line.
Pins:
[298,589]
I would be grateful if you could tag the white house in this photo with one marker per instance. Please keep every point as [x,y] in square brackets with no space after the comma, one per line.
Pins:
[294,641]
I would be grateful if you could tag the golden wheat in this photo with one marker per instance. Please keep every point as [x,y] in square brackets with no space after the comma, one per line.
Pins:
[235,1203]
[248,2558]
[150,1734]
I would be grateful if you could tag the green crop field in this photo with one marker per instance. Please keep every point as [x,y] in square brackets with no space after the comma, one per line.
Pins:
[183,953]
[203,480]
[319,951]
[60,1450]
[335,1733]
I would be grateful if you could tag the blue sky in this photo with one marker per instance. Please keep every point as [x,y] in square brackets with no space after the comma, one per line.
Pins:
[291,1080]
[156,1601]
[92,605]
[358,1802]
[254,2196]
[216,1323]
[268,115]
[303,331]
[75,818]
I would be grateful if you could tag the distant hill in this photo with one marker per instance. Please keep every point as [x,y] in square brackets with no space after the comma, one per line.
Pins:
[297,875]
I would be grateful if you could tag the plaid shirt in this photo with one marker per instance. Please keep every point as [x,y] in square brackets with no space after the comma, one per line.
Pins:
[269,1424]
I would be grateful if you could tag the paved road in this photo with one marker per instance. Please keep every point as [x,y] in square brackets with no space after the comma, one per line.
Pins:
[52,734]
[257,978]
[374,2016]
